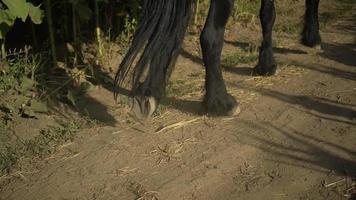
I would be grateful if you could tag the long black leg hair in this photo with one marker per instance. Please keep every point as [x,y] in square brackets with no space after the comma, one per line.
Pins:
[153,51]
[155,45]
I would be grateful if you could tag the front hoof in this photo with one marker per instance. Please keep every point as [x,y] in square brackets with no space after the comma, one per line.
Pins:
[225,105]
[311,38]
[259,70]
[144,106]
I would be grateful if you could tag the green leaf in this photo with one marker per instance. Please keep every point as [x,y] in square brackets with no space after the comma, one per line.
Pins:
[11,108]
[72,97]
[38,106]
[29,112]
[20,102]
[36,14]
[18,8]
[7,17]
[26,84]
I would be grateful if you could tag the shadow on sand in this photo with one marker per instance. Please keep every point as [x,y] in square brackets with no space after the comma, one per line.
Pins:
[302,150]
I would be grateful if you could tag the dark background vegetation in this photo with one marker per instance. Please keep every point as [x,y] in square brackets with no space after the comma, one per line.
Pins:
[40,75]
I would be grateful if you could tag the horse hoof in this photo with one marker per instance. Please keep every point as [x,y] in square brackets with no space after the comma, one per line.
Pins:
[144,106]
[225,105]
[236,110]
[318,47]
[261,71]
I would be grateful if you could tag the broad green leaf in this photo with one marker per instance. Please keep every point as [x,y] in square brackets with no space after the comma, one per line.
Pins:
[26,84]
[20,101]
[29,112]
[72,97]
[84,86]
[7,17]
[9,107]
[38,106]
[36,14]
[18,8]
[6,21]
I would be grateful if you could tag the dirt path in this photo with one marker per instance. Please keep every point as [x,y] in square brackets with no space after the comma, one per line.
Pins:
[295,138]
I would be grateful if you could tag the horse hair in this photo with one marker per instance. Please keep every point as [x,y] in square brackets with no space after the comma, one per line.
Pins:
[162,20]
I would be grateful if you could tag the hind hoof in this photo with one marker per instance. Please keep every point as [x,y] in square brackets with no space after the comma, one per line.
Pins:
[234,111]
[318,47]
[143,106]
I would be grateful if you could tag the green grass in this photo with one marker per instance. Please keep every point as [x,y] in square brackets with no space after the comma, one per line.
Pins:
[245,6]
[288,26]
[24,86]
[20,79]
[8,159]
[180,87]
[40,146]
[234,59]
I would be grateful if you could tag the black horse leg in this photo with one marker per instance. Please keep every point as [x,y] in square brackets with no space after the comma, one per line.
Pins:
[311,35]
[266,64]
[147,95]
[217,101]
[153,52]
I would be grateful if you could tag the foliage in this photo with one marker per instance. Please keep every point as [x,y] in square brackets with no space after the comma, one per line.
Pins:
[42,145]
[130,13]
[48,140]
[17,9]
[19,85]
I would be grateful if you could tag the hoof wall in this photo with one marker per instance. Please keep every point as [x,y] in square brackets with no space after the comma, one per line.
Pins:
[143,106]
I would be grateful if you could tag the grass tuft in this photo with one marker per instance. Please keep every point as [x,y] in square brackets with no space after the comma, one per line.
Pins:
[40,146]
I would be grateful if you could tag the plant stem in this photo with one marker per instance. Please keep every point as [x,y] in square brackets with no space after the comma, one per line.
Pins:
[34,37]
[3,50]
[74,24]
[51,31]
[196,12]
[97,28]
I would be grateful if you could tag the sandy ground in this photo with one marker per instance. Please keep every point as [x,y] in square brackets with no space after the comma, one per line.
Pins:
[295,137]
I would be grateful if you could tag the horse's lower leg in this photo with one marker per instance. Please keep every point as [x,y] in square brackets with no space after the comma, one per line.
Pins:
[266,64]
[148,94]
[217,101]
[310,34]
[153,52]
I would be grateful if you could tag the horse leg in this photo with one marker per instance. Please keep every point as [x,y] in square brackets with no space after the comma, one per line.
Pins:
[266,64]
[153,52]
[147,95]
[310,34]
[217,101]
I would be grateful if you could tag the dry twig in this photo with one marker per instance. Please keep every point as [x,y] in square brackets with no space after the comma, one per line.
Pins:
[177,125]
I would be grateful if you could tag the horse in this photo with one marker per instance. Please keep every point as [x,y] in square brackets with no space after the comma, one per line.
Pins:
[158,38]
